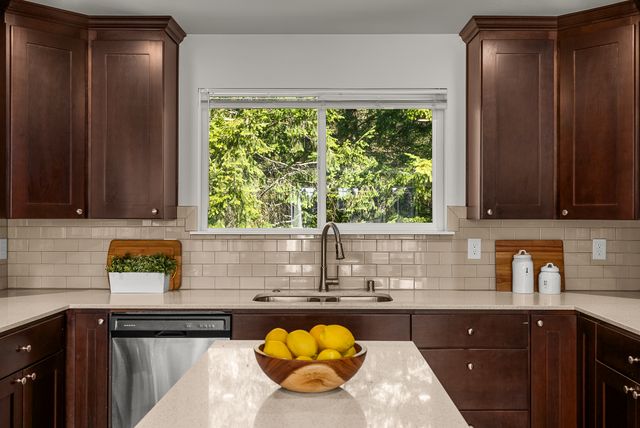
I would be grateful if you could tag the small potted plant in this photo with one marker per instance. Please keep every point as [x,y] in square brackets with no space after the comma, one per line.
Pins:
[141,273]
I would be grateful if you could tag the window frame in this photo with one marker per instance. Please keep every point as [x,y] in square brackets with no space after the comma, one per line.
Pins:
[322,99]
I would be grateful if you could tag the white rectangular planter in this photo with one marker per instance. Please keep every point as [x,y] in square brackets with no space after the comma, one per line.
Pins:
[138,282]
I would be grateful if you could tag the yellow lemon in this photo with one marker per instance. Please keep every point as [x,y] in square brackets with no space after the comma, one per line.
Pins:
[277,334]
[316,331]
[304,357]
[350,352]
[329,354]
[277,349]
[300,342]
[336,337]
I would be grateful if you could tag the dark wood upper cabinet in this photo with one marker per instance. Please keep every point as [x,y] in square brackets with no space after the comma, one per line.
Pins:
[47,120]
[597,146]
[113,156]
[510,120]
[133,125]
[553,370]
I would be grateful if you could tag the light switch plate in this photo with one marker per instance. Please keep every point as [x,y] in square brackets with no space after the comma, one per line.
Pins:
[599,251]
[3,249]
[474,246]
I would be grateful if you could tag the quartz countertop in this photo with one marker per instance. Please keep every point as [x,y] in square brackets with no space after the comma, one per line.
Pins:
[19,307]
[395,387]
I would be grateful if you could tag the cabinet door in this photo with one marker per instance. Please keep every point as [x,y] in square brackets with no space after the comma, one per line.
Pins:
[48,114]
[517,129]
[43,405]
[87,369]
[616,407]
[11,401]
[363,326]
[127,129]
[586,373]
[553,371]
[596,163]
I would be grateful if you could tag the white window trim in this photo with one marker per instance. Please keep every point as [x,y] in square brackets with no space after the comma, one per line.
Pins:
[435,99]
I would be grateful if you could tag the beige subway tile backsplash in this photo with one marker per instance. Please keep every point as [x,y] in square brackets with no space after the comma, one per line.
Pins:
[72,253]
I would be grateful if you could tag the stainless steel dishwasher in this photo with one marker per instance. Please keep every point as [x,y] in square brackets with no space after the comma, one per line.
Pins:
[151,351]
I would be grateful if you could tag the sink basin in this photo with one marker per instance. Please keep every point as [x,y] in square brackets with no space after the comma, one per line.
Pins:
[317,297]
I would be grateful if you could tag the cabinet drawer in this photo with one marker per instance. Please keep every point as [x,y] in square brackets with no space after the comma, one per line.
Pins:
[363,326]
[475,331]
[619,352]
[45,338]
[497,419]
[484,378]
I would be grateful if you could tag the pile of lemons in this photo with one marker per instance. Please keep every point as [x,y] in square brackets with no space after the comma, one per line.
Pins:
[322,342]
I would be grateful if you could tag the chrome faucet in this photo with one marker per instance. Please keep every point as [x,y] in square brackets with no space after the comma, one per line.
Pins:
[324,280]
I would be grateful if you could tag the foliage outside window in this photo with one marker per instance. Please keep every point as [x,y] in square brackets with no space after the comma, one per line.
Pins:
[294,163]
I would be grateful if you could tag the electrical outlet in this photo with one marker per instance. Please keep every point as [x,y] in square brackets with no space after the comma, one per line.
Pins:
[474,246]
[599,249]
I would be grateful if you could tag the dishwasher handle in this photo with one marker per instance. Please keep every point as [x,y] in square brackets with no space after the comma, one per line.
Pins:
[171,333]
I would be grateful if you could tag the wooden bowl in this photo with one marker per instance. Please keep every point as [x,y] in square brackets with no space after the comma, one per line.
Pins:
[310,376]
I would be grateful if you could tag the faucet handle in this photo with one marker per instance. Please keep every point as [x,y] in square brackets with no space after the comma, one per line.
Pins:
[371,286]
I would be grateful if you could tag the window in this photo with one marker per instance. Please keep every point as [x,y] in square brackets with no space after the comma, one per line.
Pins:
[289,161]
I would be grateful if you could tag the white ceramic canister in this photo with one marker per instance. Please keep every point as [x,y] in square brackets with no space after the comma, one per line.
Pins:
[549,279]
[522,273]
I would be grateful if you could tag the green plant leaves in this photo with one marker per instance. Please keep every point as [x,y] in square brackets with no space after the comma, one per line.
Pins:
[141,263]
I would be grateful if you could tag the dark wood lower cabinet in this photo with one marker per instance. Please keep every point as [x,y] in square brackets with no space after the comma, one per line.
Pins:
[87,367]
[496,418]
[586,373]
[616,406]
[553,371]
[43,399]
[11,401]
[364,326]
[481,379]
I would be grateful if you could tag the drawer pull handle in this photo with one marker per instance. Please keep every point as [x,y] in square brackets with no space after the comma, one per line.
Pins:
[24,348]
[540,323]
[470,366]
[635,395]
[470,332]
[20,380]
[31,376]
[100,321]
[633,360]
[628,389]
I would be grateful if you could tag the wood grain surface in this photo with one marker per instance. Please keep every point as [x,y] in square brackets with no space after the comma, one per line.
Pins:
[310,376]
[542,252]
[173,248]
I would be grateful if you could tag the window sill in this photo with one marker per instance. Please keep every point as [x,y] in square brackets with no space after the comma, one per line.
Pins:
[344,231]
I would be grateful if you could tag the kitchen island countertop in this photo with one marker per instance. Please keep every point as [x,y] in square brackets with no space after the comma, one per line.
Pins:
[226,388]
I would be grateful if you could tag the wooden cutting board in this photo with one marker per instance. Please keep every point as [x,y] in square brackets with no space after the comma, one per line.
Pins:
[542,252]
[148,247]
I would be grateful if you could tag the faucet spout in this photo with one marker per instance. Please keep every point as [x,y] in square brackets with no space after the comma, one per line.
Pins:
[325,281]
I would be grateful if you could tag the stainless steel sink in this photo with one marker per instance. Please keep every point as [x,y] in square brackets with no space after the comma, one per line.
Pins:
[317,297]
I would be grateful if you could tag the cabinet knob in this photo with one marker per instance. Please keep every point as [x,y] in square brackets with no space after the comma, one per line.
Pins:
[20,380]
[633,360]
[470,366]
[31,376]
[628,389]
[100,321]
[489,211]
[565,213]
[154,211]
[540,323]
[79,211]
[24,348]
[470,332]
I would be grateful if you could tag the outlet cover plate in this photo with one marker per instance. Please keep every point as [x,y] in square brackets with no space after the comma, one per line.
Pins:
[599,251]
[474,247]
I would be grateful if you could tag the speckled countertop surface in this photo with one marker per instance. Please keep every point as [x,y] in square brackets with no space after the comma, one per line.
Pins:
[394,388]
[18,307]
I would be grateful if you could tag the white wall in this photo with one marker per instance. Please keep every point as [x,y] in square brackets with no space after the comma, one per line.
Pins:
[322,61]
